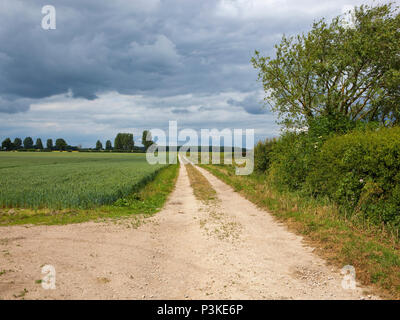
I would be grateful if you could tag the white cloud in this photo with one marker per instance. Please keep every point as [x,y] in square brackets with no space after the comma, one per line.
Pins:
[267,9]
[248,8]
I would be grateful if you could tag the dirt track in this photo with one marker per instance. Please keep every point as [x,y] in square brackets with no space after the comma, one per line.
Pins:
[227,250]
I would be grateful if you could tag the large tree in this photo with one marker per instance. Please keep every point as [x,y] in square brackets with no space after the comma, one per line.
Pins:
[124,142]
[28,143]
[39,144]
[49,144]
[7,144]
[339,69]
[61,144]
[147,139]
[17,143]
[99,145]
[108,145]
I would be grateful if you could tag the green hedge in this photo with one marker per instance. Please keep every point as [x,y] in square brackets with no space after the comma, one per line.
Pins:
[262,155]
[361,172]
[293,155]
[358,170]
[291,161]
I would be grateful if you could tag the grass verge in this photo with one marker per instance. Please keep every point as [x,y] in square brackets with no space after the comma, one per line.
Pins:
[146,201]
[373,252]
[201,187]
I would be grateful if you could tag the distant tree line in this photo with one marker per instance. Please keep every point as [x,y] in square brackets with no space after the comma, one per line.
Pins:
[28,145]
[123,142]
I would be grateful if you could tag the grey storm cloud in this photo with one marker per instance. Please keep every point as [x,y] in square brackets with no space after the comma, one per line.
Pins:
[152,47]
[129,65]
[252,104]
[14,105]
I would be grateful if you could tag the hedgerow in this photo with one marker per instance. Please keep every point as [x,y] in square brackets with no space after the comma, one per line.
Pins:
[356,165]
[361,172]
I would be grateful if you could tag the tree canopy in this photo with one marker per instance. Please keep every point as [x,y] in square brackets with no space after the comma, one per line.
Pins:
[7,144]
[17,143]
[28,143]
[61,144]
[39,144]
[108,145]
[49,144]
[99,145]
[147,139]
[340,69]
[124,142]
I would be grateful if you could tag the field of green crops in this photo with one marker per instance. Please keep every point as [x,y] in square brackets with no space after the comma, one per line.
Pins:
[70,180]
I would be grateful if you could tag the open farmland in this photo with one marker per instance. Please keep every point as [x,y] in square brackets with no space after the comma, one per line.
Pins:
[70,180]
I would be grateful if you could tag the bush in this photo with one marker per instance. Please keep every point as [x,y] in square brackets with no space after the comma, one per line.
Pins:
[361,172]
[291,160]
[294,155]
[262,155]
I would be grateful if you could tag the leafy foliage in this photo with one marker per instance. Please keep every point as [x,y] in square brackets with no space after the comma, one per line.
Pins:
[49,144]
[61,144]
[99,145]
[17,143]
[28,143]
[262,155]
[147,139]
[39,144]
[337,69]
[358,170]
[124,142]
[293,155]
[7,144]
[108,145]
[361,172]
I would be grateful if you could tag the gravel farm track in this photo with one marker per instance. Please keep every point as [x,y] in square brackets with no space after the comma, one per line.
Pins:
[227,249]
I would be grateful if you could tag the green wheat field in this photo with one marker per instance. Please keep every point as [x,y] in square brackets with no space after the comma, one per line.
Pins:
[70,180]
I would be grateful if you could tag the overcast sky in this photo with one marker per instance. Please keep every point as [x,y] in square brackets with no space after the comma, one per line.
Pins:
[127,65]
